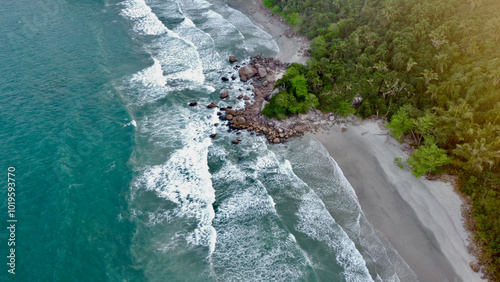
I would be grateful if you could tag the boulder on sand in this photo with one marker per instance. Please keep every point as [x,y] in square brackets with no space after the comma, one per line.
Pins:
[247,72]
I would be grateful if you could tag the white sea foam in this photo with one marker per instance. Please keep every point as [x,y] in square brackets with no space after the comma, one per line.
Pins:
[316,222]
[176,58]
[184,179]
[255,38]
[145,21]
[151,76]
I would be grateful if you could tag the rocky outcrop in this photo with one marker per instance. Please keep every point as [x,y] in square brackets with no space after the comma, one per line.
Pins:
[247,72]
[250,117]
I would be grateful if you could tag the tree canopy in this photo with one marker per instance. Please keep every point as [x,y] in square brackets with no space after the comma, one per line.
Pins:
[432,67]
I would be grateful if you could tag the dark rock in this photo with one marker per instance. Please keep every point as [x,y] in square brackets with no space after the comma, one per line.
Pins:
[246,98]
[213,136]
[224,95]
[240,97]
[193,104]
[357,100]
[216,124]
[344,129]
[232,59]
[225,79]
[219,113]
[212,105]
[233,77]
[236,141]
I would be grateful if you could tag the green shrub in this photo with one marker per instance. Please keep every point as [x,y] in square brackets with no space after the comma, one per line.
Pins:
[428,158]
[269,3]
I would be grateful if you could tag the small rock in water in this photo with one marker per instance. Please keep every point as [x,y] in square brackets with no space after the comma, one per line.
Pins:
[246,98]
[224,95]
[225,79]
[232,59]
[233,77]
[193,104]
[344,129]
[240,97]
[276,140]
[213,136]
[212,105]
[236,141]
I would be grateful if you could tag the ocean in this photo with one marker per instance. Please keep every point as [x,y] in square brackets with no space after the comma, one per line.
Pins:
[116,176]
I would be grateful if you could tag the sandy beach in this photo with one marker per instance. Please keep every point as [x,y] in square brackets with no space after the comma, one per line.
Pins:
[290,46]
[420,218]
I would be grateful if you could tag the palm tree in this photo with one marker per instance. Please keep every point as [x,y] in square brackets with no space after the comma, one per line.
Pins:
[410,64]
[493,28]
[429,75]
[474,3]
[438,39]
[442,61]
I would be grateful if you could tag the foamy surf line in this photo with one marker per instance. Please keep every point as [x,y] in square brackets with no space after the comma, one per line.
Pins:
[178,56]
[184,180]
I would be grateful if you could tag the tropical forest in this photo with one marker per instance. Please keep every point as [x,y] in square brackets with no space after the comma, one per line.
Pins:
[430,67]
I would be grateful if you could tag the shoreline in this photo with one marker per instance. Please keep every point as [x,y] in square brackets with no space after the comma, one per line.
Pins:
[421,218]
[292,46]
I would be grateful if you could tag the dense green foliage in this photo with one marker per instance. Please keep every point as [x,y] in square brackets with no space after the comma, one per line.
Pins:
[294,98]
[432,67]
[427,158]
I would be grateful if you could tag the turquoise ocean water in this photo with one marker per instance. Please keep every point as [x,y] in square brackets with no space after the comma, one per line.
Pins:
[117,178]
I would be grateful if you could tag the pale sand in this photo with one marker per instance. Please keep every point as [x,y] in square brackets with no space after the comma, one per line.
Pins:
[421,218]
[289,47]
